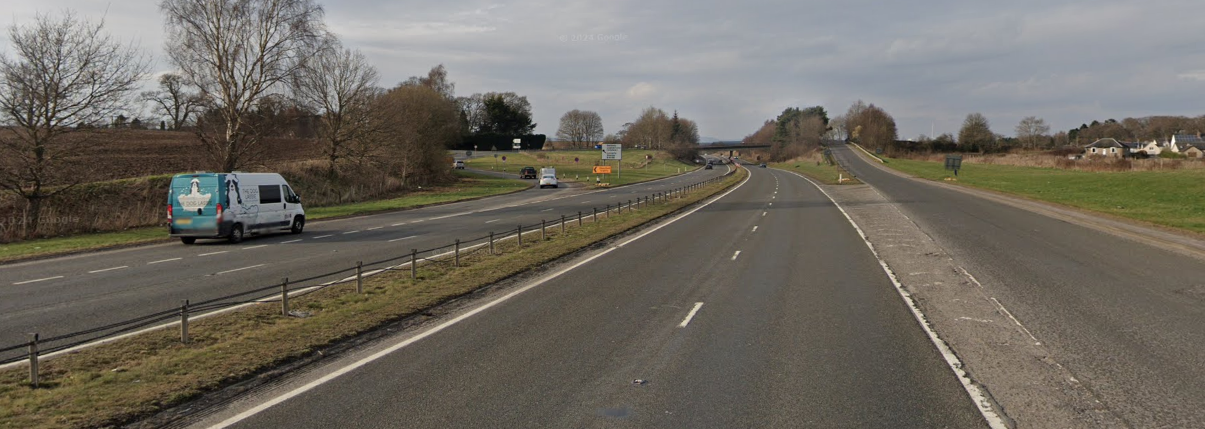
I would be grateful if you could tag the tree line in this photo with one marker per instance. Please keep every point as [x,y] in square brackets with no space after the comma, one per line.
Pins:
[653,129]
[796,132]
[243,71]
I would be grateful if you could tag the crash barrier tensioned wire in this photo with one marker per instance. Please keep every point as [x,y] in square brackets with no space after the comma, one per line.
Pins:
[447,254]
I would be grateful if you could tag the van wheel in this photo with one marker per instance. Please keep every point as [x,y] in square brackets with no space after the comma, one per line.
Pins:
[188,240]
[236,234]
[298,224]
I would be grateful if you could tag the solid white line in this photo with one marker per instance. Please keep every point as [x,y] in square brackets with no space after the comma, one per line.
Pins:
[351,232]
[754,228]
[38,280]
[108,269]
[734,255]
[213,253]
[290,241]
[239,269]
[255,247]
[322,236]
[436,329]
[164,260]
[400,239]
[690,315]
[374,228]
[977,396]
[492,221]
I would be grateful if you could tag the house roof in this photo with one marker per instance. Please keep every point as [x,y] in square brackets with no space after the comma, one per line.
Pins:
[1186,138]
[1107,142]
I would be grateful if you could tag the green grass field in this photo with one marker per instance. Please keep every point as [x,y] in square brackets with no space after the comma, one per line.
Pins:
[1169,198]
[822,172]
[636,168]
[470,186]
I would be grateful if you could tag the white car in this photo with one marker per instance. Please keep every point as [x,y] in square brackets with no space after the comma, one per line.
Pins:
[458,165]
[548,181]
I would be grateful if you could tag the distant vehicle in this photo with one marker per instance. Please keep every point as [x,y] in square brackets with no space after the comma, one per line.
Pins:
[707,167]
[548,177]
[527,173]
[231,206]
[763,165]
[458,165]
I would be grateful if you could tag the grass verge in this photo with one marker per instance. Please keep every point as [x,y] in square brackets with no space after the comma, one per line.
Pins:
[1165,198]
[818,171]
[636,165]
[471,186]
[116,383]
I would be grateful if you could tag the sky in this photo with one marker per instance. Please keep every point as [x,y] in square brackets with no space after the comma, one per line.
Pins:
[732,65]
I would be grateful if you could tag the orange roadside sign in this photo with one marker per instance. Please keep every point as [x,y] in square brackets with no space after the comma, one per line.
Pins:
[602,169]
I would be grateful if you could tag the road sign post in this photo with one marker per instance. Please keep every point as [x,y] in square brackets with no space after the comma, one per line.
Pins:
[613,151]
[954,162]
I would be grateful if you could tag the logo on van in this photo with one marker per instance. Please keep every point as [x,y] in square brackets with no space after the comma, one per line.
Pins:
[194,200]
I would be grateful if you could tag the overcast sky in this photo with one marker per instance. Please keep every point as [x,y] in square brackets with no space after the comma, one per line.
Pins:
[732,65]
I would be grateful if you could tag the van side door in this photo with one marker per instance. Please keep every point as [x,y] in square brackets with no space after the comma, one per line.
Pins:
[271,208]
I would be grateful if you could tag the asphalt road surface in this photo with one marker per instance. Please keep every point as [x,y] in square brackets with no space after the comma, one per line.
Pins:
[1126,319]
[68,294]
[762,309]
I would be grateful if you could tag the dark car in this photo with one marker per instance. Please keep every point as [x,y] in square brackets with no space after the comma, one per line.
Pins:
[707,167]
[527,173]
[763,165]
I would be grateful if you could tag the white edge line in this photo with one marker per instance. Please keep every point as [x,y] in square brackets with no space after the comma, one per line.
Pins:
[403,238]
[240,269]
[108,269]
[436,329]
[163,260]
[977,396]
[690,315]
[37,280]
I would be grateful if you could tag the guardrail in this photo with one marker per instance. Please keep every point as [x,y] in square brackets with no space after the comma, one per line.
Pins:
[43,348]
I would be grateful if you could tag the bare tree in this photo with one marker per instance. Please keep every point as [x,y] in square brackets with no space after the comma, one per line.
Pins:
[174,100]
[420,123]
[870,125]
[237,52]
[67,77]
[339,84]
[976,131]
[1031,130]
[579,127]
[652,129]
[436,79]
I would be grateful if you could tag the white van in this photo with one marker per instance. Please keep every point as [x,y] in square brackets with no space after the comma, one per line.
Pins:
[548,177]
[231,206]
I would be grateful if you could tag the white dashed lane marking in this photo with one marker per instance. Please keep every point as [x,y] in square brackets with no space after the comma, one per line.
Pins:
[108,269]
[37,280]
